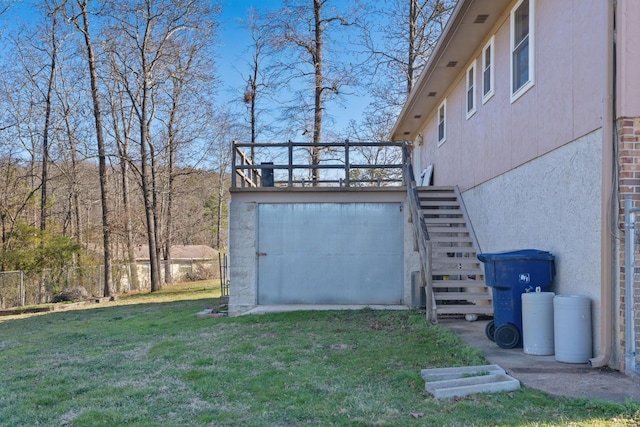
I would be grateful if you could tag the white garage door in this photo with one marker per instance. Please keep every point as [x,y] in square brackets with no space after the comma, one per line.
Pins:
[330,253]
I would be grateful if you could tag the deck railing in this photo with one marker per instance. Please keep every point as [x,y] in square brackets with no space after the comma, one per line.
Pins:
[344,164]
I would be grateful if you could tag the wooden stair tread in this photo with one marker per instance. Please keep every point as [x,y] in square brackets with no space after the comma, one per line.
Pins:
[464,309]
[465,291]
[462,296]
[457,283]
[441,212]
[440,221]
[431,204]
[447,239]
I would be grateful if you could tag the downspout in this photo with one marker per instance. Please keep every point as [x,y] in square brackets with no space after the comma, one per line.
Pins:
[609,182]
[629,291]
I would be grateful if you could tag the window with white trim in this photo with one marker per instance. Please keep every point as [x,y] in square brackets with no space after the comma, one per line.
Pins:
[442,122]
[487,71]
[471,89]
[522,48]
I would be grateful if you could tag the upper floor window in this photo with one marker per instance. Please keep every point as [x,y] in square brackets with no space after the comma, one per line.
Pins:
[471,89]
[522,48]
[487,71]
[442,122]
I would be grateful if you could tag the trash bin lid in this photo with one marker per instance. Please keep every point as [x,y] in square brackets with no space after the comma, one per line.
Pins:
[523,254]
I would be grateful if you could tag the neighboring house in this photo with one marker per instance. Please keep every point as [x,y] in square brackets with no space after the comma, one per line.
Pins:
[181,252]
[532,108]
[188,262]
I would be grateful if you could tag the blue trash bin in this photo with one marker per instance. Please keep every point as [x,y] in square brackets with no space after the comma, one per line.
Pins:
[510,274]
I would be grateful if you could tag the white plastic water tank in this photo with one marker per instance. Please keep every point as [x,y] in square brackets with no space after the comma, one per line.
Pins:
[572,328]
[537,323]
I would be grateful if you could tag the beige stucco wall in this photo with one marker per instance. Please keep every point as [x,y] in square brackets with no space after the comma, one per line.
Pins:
[564,104]
[558,212]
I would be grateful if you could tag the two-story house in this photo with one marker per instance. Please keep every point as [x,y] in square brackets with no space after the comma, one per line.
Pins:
[532,108]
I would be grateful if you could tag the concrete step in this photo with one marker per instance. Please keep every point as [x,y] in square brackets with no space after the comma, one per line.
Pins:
[459,387]
[439,374]
[461,381]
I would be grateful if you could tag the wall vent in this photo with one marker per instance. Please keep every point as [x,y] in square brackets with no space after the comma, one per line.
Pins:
[480,19]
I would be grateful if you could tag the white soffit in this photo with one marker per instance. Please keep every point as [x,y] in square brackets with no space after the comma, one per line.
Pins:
[468,26]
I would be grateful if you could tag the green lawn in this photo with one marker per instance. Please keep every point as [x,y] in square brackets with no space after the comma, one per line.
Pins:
[147,360]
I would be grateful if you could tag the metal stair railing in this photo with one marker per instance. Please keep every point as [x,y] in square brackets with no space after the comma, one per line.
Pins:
[421,234]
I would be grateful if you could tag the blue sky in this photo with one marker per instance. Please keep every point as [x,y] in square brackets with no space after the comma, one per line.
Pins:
[235,43]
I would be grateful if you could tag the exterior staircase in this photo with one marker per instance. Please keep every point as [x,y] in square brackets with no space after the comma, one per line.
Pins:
[456,276]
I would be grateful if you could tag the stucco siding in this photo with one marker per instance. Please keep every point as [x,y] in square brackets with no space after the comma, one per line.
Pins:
[551,203]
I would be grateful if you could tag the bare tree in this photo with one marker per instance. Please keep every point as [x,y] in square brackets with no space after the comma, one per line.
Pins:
[122,128]
[219,156]
[299,34]
[83,27]
[411,30]
[257,81]
[146,36]
[53,11]
[70,136]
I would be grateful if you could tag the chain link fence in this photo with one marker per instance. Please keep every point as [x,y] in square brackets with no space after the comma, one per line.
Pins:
[20,288]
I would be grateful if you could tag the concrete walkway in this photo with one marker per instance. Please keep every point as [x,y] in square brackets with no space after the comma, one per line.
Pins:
[545,373]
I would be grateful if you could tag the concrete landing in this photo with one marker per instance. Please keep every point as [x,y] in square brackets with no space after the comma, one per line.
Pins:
[440,374]
[547,374]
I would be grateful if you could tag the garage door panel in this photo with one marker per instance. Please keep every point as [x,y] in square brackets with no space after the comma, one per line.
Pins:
[330,253]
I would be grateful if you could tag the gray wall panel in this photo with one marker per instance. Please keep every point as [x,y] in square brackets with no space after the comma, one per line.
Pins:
[330,253]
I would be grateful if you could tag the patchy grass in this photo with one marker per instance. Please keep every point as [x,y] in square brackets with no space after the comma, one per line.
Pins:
[146,360]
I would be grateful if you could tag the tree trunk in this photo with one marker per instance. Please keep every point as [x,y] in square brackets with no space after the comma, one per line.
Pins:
[413,34]
[154,208]
[102,158]
[146,195]
[47,121]
[122,139]
[171,141]
[319,82]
